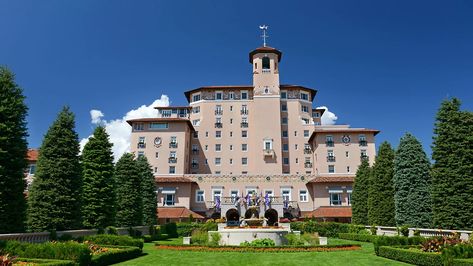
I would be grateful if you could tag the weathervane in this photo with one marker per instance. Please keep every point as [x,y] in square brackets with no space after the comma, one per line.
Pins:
[264,28]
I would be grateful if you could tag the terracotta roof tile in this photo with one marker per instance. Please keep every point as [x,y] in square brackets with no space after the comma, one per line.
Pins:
[332,179]
[32,155]
[329,212]
[177,213]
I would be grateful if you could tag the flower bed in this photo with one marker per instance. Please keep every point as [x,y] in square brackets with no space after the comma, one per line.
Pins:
[259,249]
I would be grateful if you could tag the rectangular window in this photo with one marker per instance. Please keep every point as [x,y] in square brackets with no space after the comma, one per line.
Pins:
[303,196]
[196,109]
[156,125]
[306,133]
[244,95]
[244,172]
[141,153]
[206,147]
[244,134]
[169,199]
[304,108]
[329,141]
[304,96]
[335,199]
[284,133]
[218,160]
[195,149]
[284,107]
[331,168]
[316,114]
[199,196]
[348,169]
[195,134]
[285,160]
[157,155]
[196,97]
[141,143]
[218,134]
[231,161]
[231,96]
[284,120]
[286,194]
[244,161]
[285,147]
[172,169]
[218,172]
[138,126]
[218,147]
[305,121]
[206,134]
[244,147]
[196,122]
[283,94]
[218,95]
[233,194]
[231,134]
[231,147]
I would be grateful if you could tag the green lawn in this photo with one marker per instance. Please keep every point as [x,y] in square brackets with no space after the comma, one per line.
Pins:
[364,256]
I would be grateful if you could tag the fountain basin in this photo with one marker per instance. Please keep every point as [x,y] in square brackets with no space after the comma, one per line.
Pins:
[238,235]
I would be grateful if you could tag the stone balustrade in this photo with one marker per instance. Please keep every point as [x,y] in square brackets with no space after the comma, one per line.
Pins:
[425,232]
[44,236]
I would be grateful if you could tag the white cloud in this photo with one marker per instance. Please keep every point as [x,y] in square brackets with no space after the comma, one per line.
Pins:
[96,116]
[119,130]
[328,118]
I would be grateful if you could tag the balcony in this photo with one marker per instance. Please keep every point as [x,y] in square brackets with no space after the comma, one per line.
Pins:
[244,111]
[329,143]
[172,160]
[308,165]
[195,151]
[364,157]
[307,151]
[173,145]
[244,124]
[219,112]
[194,165]
[268,152]
[330,159]
[363,143]
[141,145]
[218,125]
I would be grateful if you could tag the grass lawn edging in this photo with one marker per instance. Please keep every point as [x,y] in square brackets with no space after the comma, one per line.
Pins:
[123,253]
[259,249]
[47,262]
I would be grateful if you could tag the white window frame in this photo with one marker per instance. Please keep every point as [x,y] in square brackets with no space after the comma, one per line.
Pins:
[289,195]
[220,147]
[221,93]
[195,95]
[247,95]
[285,92]
[266,141]
[197,196]
[166,201]
[219,161]
[339,199]
[306,195]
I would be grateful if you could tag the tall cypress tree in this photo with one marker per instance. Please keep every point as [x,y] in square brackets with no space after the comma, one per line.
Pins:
[128,191]
[13,148]
[452,171]
[360,194]
[148,191]
[412,184]
[54,199]
[98,209]
[381,192]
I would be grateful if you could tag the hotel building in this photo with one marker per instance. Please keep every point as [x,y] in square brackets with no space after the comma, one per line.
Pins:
[259,145]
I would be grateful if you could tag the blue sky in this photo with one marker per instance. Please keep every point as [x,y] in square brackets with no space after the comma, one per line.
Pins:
[377,64]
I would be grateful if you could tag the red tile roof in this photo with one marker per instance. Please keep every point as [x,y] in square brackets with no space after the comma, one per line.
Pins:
[174,179]
[32,155]
[329,212]
[333,179]
[177,213]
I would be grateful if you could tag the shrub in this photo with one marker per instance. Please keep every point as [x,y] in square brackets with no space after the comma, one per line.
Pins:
[310,239]
[200,237]
[417,232]
[115,240]
[373,230]
[264,242]
[397,241]
[403,230]
[410,256]
[357,229]
[170,229]
[111,230]
[210,225]
[459,251]
[357,237]
[74,251]
[52,235]
[185,229]
[134,233]
[115,256]
[65,237]
[328,229]
[294,240]
[215,239]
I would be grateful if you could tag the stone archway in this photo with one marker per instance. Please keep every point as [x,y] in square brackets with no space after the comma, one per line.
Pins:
[251,212]
[232,215]
[272,216]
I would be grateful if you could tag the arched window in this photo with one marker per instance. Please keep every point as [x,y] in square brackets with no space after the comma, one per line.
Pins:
[266,62]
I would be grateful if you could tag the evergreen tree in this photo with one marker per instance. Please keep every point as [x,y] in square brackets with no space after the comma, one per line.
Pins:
[452,171]
[360,194]
[381,192]
[13,148]
[412,184]
[128,191]
[148,191]
[54,198]
[98,205]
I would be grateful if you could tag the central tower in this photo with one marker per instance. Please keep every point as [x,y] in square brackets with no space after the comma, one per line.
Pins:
[266,117]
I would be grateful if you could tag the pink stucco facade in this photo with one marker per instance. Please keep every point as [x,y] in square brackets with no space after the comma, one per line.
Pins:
[265,138]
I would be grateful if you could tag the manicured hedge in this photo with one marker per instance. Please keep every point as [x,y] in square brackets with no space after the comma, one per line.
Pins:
[170,229]
[74,251]
[397,241]
[244,249]
[358,237]
[416,257]
[328,229]
[114,240]
[116,256]
[47,262]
